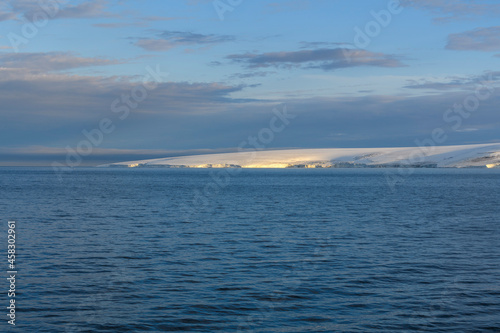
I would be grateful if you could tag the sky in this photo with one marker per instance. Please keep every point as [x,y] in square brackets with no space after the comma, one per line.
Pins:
[91,82]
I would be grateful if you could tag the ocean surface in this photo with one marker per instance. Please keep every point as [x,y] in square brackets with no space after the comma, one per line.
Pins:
[199,250]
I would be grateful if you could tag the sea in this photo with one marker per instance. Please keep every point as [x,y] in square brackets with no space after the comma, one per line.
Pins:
[252,250]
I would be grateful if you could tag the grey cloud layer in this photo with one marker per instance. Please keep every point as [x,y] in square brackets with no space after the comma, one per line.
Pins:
[326,59]
[77,97]
[52,109]
[47,107]
[41,155]
[480,39]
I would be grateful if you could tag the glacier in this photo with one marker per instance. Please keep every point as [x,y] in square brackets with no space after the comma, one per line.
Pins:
[459,156]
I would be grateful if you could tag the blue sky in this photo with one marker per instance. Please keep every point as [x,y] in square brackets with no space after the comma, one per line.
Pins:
[353,73]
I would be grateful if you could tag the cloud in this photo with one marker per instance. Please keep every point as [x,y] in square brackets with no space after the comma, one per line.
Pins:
[251,74]
[167,40]
[325,59]
[31,8]
[447,10]
[52,110]
[156,45]
[160,18]
[118,25]
[480,39]
[142,22]
[386,120]
[41,98]
[6,16]
[456,84]
[84,10]
[468,130]
[490,78]
[45,156]
[318,45]
[49,62]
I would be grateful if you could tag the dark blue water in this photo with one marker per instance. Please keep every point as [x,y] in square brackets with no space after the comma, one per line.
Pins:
[159,250]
